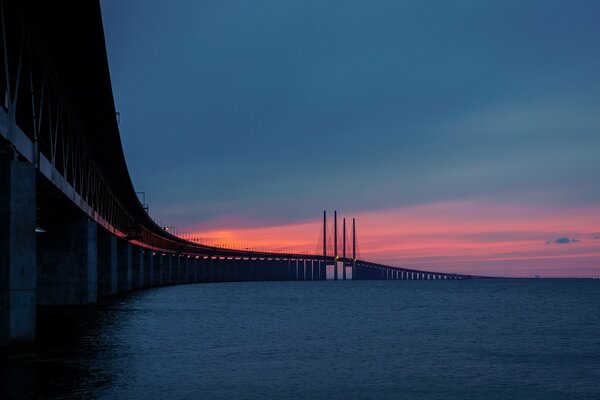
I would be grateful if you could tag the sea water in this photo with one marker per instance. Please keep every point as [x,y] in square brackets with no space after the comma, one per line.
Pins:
[471,339]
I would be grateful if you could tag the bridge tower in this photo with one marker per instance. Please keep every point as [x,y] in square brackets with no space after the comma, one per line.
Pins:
[344,247]
[354,272]
[324,233]
[335,246]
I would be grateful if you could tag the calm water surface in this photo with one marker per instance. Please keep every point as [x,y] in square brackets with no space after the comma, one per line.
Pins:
[499,339]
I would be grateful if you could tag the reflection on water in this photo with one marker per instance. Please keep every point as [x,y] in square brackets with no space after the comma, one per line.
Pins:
[388,339]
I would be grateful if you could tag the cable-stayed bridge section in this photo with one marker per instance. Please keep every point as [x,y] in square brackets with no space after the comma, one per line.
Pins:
[72,228]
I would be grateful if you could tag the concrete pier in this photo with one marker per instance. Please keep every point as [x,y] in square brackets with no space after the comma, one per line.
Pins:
[67,263]
[107,263]
[17,250]
[167,269]
[158,269]
[148,268]
[124,266]
[137,267]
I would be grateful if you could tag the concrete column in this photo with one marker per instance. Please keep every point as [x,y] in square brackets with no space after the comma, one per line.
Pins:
[284,268]
[181,264]
[323,270]
[124,266]
[307,270]
[17,250]
[195,264]
[167,269]
[212,268]
[190,269]
[248,263]
[263,269]
[208,269]
[137,267]
[300,270]
[159,261]
[175,268]
[181,269]
[230,268]
[270,267]
[216,273]
[254,269]
[148,277]
[201,265]
[222,269]
[225,270]
[107,263]
[67,263]
[234,268]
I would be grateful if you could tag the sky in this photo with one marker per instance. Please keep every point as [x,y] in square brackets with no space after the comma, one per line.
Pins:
[464,136]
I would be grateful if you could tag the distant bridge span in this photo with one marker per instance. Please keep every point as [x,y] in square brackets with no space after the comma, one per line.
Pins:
[63,174]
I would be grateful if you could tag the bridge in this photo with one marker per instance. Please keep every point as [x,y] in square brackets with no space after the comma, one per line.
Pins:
[72,228]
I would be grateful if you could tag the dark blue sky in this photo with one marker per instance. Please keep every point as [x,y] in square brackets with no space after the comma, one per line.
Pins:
[271,111]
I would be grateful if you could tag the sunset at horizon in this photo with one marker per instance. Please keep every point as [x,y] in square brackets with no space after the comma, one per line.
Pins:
[457,237]
[460,146]
[299,199]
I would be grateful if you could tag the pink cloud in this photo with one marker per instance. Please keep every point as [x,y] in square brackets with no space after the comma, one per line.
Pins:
[469,237]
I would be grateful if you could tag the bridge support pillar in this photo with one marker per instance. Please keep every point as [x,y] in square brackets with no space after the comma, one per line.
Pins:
[201,264]
[182,267]
[213,264]
[124,266]
[17,250]
[176,268]
[190,267]
[107,263]
[159,260]
[67,263]
[167,269]
[137,267]
[148,268]
[193,265]
[175,263]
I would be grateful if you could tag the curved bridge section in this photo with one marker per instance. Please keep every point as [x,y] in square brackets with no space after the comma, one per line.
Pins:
[72,229]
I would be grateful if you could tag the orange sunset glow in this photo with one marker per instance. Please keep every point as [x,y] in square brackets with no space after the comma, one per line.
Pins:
[463,237]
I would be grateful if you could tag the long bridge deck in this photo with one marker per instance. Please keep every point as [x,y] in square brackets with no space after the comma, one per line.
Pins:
[72,228]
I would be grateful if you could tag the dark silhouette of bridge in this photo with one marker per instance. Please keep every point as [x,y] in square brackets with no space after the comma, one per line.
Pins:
[72,228]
